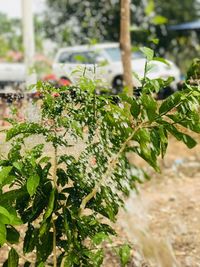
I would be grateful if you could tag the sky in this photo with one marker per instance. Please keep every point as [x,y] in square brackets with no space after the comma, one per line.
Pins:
[13,7]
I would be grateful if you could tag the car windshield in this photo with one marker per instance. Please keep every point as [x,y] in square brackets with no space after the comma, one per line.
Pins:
[137,55]
[115,54]
[87,57]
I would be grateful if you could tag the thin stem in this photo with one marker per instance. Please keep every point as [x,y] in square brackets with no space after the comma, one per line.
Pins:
[20,254]
[54,175]
[111,165]
[54,245]
[63,261]
[55,164]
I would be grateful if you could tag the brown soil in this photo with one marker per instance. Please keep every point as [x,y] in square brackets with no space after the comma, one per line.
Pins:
[164,220]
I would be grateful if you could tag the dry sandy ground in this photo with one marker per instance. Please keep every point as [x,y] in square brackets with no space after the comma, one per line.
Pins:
[164,219]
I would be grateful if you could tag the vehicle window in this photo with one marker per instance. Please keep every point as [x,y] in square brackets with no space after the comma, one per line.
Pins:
[64,57]
[114,53]
[136,55]
[87,57]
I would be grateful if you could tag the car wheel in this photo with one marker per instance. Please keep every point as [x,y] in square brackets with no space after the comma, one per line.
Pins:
[118,85]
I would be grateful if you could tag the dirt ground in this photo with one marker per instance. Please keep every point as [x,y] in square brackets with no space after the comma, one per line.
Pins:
[163,220]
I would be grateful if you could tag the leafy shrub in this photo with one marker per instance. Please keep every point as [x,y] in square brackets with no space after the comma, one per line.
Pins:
[193,73]
[66,195]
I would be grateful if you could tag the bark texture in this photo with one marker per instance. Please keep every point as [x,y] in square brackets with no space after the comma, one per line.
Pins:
[125,45]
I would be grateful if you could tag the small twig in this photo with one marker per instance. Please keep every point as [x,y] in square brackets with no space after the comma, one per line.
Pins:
[19,253]
[111,165]
[54,245]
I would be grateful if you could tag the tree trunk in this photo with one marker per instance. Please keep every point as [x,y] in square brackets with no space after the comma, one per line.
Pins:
[125,45]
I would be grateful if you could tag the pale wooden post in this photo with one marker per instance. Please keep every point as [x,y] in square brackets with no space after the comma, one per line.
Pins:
[28,41]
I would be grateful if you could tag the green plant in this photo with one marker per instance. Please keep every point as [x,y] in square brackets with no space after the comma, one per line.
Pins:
[66,188]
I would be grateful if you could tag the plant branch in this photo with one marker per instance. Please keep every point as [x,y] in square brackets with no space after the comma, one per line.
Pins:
[54,175]
[111,165]
[55,165]
[54,245]
[19,253]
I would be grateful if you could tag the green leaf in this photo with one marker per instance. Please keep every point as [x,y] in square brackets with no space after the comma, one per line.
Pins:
[188,140]
[150,106]
[5,213]
[18,165]
[32,184]
[44,246]
[50,206]
[125,254]
[99,238]
[150,7]
[4,173]
[4,219]
[11,215]
[158,20]
[12,195]
[192,121]
[160,59]
[170,103]
[22,128]
[13,258]
[163,140]
[41,264]
[12,235]
[30,239]
[135,108]
[62,177]
[155,40]
[2,233]
[96,259]
[149,53]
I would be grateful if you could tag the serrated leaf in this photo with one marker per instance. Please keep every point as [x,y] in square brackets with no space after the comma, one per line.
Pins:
[32,184]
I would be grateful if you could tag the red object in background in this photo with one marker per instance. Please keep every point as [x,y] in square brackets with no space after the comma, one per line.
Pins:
[64,82]
[50,77]
[55,94]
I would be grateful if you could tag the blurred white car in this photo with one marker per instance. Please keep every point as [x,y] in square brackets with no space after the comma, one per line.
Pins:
[104,61]
[11,73]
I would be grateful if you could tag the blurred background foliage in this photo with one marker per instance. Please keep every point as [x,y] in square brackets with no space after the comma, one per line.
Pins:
[69,22]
